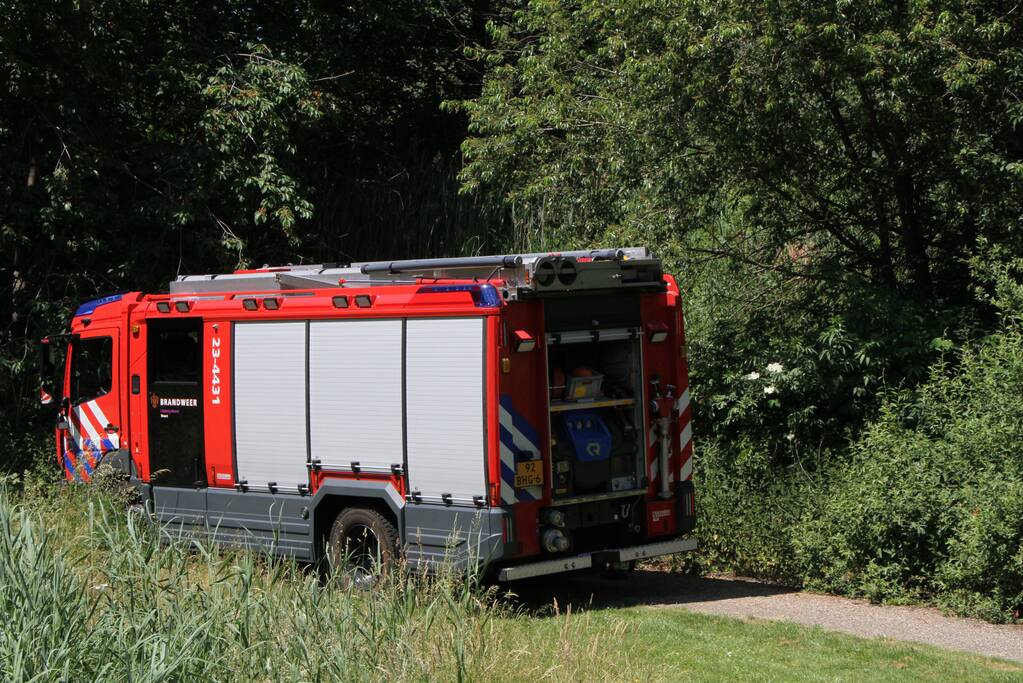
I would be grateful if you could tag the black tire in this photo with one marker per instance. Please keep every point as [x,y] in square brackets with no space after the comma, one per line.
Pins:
[362,547]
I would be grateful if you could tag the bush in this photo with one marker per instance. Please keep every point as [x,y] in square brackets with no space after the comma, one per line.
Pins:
[929,504]
[746,509]
[919,499]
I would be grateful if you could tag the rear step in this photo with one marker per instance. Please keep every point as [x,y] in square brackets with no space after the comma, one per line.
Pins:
[597,558]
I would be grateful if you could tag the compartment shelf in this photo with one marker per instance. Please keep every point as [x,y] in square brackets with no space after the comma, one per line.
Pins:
[562,406]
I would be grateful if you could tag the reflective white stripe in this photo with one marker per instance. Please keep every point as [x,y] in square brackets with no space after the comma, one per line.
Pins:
[684,438]
[98,412]
[507,490]
[687,469]
[683,401]
[76,438]
[507,460]
[114,438]
[687,437]
[651,440]
[655,469]
[519,439]
[86,420]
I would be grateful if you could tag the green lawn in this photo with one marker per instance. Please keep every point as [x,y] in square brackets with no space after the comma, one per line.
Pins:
[671,644]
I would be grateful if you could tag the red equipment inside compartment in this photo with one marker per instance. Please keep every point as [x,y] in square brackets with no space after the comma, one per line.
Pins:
[660,517]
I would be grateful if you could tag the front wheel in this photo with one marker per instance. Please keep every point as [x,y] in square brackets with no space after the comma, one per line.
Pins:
[362,547]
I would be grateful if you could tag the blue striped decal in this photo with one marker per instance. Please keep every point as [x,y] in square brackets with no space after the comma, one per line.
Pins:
[520,423]
[81,456]
[69,468]
[507,438]
[87,455]
[507,474]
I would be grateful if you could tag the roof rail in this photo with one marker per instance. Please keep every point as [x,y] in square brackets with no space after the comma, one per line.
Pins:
[519,275]
[422,264]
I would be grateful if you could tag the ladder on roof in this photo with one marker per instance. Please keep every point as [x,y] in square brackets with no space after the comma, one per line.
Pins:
[520,275]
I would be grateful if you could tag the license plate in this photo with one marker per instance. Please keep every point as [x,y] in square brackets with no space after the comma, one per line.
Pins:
[529,473]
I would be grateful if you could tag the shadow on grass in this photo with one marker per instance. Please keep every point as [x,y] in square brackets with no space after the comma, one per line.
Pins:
[584,590]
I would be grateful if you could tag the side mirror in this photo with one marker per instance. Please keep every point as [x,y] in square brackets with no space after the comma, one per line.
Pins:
[49,386]
[46,371]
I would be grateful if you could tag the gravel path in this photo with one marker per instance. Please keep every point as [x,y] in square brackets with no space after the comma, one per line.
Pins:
[746,598]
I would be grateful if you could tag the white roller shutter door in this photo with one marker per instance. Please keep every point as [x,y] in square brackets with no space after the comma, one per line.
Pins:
[444,404]
[355,407]
[270,404]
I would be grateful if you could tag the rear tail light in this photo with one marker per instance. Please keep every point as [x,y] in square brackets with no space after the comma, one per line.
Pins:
[523,341]
[686,506]
[657,332]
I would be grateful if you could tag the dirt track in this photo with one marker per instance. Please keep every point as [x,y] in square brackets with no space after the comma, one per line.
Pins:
[745,598]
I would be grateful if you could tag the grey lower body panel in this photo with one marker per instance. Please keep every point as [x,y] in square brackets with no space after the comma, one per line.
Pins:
[587,560]
[277,524]
[450,536]
[435,536]
[178,509]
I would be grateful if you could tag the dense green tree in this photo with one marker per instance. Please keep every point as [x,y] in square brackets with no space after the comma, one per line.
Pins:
[843,158]
[138,141]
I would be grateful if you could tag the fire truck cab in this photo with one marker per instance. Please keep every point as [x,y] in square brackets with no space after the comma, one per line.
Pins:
[525,414]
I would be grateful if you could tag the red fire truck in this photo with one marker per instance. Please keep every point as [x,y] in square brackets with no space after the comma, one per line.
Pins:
[526,413]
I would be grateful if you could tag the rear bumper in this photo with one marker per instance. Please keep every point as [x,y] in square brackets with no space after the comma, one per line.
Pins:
[598,558]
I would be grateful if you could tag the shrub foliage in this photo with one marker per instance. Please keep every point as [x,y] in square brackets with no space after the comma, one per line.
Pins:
[929,500]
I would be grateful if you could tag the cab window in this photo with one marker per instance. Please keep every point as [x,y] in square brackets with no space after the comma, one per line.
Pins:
[92,362]
[174,354]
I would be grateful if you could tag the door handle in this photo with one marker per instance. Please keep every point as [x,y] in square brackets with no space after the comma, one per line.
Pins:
[111,427]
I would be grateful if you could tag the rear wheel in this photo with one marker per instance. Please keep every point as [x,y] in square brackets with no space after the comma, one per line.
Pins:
[362,547]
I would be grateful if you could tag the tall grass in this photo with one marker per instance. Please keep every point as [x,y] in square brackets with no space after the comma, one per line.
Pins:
[91,593]
[101,598]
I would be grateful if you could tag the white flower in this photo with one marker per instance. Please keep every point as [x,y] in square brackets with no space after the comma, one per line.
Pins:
[770,389]
[775,368]
[790,437]
[752,376]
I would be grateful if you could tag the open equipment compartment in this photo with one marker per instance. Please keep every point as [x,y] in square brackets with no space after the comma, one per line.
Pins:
[595,398]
